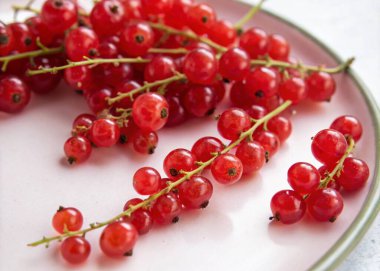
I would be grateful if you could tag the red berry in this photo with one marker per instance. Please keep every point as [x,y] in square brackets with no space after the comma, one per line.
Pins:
[177,112]
[107,17]
[256,112]
[293,89]
[118,239]
[354,174]
[233,122]
[252,156]
[227,169]
[136,39]
[146,181]
[206,147]
[132,9]
[156,7]
[223,32]
[145,142]
[104,133]
[6,39]
[261,83]
[24,40]
[141,218]
[255,42]
[238,95]
[287,206]
[98,100]
[150,111]
[328,146]
[234,64]
[166,209]
[41,30]
[75,249]
[348,126]
[280,126]
[77,149]
[200,66]
[59,15]
[159,68]
[200,101]
[67,219]
[108,50]
[195,193]
[177,14]
[278,47]
[177,160]
[200,18]
[82,124]
[325,204]
[14,94]
[81,42]
[304,178]
[79,77]
[269,141]
[320,86]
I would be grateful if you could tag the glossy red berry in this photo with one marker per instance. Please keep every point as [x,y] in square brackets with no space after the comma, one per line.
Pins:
[200,66]
[156,7]
[195,193]
[75,249]
[177,111]
[79,77]
[348,126]
[67,219]
[81,42]
[132,10]
[166,209]
[104,133]
[107,17]
[325,204]
[256,111]
[77,149]
[293,89]
[200,18]
[252,156]
[136,39]
[14,94]
[354,174]
[233,122]
[234,64]
[39,29]
[269,141]
[118,239]
[303,177]
[24,39]
[281,126]
[177,160]
[59,15]
[159,68]
[278,47]
[82,124]
[145,142]
[146,181]
[328,146]
[254,41]
[200,101]
[98,100]
[206,147]
[287,206]
[227,169]
[141,218]
[6,39]
[150,111]
[320,86]
[238,96]
[223,32]
[261,83]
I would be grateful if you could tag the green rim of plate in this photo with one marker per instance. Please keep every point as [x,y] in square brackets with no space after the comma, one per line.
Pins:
[371,206]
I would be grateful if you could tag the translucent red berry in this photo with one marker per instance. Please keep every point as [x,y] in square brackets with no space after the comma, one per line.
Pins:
[75,249]
[67,219]
[146,181]
[320,86]
[80,43]
[206,147]
[200,66]
[141,218]
[233,122]
[104,133]
[77,149]
[234,64]
[136,39]
[303,177]
[354,174]
[178,160]
[227,169]
[325,204]
[252,156]
[287,206]
[107,17]
[166,209]
[59,15]
[195,193]
[14,94]
[255,41]
[348,126]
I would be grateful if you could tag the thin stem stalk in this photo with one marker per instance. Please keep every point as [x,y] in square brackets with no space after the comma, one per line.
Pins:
[247,17]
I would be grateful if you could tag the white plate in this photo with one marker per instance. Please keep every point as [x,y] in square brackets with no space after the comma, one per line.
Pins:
[233,233]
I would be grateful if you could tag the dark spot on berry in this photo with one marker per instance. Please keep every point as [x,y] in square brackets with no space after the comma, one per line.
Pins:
[4,39]
[173,172]
[231,171]
[128,253]
[114,9]
[93,52]
[28,41]
[58,3]
[164,113]
[151,149]
[16,98]
[139,39]
[71,160]
[332,220]
[204,19]
[204,204]
[239,32]
[175,191]
[266,156]
[259,94]
[185,42]
[225,80]
[123,139]
[210,112]
[79,91]
[175,220]
[60,208]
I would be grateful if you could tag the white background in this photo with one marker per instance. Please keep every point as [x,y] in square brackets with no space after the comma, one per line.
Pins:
[351,28]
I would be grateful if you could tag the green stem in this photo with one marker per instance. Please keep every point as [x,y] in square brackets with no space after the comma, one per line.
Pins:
[247,17]
[339,166]
[187,34]
[170,186]
[168,51]
[146,87]
[86,63]
[268,62]
[46,51]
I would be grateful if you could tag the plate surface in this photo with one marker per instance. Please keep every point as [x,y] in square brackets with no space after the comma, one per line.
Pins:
[232,233]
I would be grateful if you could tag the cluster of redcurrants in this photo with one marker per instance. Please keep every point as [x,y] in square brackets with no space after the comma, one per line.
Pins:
[317,190]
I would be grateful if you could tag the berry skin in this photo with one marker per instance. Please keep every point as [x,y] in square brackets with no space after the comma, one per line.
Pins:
[287,206]
[238,96]
[252,156]
[41,30]
[79,77]
[348,126]
[97,101]
[234,64]
[261,83]
[141,218]
[227,169]
[200,101]
[200,66]
[59,15]
[166,209]
[177,114]
[195,193]
[256,112]
[77,149]
[280,126]
[159,68]
[67,219]
[125,88]
[304,178]
[136,39]
[150,111]
[269,141]
[81,42]
[82,123]
[222,32]
[14,94]
[177,160]
[145,142]
[293,89]
[156,7]
[320,86]
[325,204]
[200,18]
[118,239]
[146,181]
[75,249]
[354,174]
[233,122]
[107,17]
[278,47]
[6,39]
[104,133]
[255,42]
[24,40]
[177,15]
[205,147]
[328,146]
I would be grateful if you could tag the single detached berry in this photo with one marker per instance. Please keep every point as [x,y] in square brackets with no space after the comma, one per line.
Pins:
[354,174]
[77,149]
[227,169]
[325,204]
[146,181]
[67,219]
[287,206]
[145,142]
[195,193]
[303,177]
[14,94]
[348,126]
[75,249]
